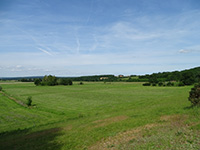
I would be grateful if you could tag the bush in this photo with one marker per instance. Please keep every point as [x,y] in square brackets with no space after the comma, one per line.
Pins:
[29,101]
[194,95]
[146,84]
[160,84]
[169,84]
[153,84]
[181,84]
[81,83]
[37,82]
[70,82]
[1,88]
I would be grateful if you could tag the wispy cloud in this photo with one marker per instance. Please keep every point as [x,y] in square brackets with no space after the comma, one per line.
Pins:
[99,33]
[188,51]
[45,51]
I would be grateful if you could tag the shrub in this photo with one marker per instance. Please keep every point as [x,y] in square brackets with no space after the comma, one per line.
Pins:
[181,84]
[194,95]
[160,84]
[49,80]
[146,84]
[29,101]
[1,88]
[153,84]
[37,82]
[70,82]
[81,83]
[169,84]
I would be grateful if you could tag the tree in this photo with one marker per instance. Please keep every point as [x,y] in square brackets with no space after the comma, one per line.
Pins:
[65,81]
[160,84]
[194,95]
[146,84]
[70,82]
[29,101]
[187,78]
[37,82]
[49,80]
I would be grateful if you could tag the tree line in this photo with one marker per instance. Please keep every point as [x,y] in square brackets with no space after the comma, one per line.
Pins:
[185,77]
[52,81]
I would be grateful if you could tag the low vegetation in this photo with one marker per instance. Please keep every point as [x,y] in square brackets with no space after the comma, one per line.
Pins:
[29,101]
[120,115]
[194,96]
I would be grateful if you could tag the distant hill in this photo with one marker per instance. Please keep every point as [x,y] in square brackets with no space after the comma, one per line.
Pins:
[187,77]
[20,78]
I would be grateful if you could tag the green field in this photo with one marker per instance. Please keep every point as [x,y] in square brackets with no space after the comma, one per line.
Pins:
[98,116]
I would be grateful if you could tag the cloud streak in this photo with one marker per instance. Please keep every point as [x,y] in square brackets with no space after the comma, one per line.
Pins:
[45,51]
[100,33]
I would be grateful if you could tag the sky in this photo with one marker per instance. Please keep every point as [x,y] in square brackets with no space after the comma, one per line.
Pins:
[92,37]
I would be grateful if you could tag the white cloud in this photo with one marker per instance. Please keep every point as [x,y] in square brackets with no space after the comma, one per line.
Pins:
[184,51]
[45,51]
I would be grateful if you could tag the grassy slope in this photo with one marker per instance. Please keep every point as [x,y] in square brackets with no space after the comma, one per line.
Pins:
[78,113]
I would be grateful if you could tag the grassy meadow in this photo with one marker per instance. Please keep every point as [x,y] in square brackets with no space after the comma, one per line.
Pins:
[98,115]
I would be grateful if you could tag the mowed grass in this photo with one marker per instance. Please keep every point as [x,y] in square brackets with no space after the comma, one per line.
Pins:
[81,116]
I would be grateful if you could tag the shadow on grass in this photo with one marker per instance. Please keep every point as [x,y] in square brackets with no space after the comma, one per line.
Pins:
[21,140]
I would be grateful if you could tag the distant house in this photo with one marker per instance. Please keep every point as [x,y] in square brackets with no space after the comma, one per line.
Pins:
[103,78]
[120,76]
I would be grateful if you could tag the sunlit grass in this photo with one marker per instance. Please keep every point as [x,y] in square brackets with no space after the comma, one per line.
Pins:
[90,112]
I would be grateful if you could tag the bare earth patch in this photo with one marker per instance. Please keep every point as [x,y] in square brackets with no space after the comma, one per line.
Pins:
[123,137]
[174,120]
[112,143]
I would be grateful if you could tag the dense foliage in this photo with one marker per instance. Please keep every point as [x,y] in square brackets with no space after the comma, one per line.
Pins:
[185,77]
[29,101]
[194,96]
[108,78]
[52,80]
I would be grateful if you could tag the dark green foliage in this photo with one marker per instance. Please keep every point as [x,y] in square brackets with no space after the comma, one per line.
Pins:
[81,83]
[194,96]
[37,82]
[110,78]
[154,84]
[160,84]
[64,81]
[170,84]
[181,84]
[52,81]
[70,82]
[153,79]
[186,77]
[146,84]
[27,80]
[49,80]
[29,101]
[1,88]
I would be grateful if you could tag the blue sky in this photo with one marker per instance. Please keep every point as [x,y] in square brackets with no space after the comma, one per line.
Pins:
[87,37]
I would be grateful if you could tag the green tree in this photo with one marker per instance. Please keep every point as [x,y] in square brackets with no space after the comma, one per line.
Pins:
[29,101]
[37,82]
[194,95]
[65,81]
[49,80]
[187,78]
